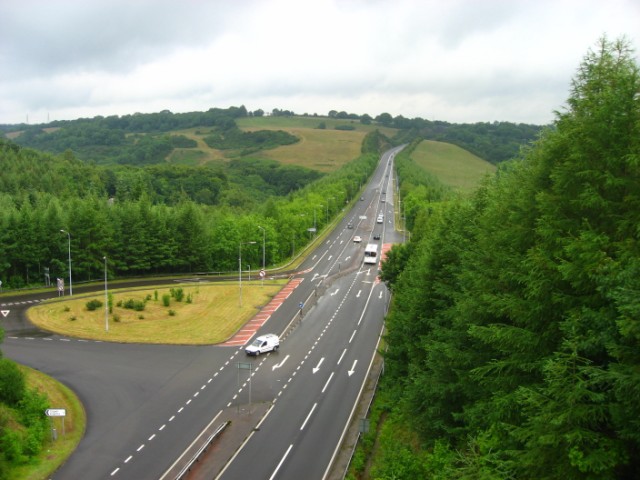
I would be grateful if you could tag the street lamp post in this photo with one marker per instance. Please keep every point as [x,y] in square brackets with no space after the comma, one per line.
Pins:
[106,298]
[264,237]
[240,268]
[70,284]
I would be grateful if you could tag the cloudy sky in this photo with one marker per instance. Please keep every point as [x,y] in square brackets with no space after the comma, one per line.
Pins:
[454,60]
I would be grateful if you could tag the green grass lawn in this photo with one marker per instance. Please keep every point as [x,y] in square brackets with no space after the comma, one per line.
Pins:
[452,165]
[212,316]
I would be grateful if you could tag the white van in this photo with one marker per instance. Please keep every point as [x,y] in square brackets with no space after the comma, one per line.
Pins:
[264,343]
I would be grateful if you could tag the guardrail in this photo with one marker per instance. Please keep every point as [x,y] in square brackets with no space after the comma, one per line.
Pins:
[201,450]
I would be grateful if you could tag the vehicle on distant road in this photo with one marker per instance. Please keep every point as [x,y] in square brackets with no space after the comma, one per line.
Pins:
[376,236]
[350,225]
[380,218]
[264,343]
[357,239]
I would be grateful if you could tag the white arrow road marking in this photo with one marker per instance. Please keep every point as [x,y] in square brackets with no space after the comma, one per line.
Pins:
[330,257]
[353,368]
[380,296]
[348,258]
[358,294]
[314,276]
[317,367]
[337,290]
[280,364]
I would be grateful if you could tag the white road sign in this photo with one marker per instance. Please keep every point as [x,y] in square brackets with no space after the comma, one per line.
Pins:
[55,412]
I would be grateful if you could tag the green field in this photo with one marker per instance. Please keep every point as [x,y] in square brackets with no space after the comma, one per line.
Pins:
[324,150]
[452,165]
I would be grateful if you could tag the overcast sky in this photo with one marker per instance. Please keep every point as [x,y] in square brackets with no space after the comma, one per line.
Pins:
[455,60]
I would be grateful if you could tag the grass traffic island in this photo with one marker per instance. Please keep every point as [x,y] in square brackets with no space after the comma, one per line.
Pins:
[184,314]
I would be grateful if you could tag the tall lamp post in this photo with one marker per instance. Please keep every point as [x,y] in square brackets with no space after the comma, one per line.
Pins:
[264,237]
[70,284]
[106,298]
[240,268]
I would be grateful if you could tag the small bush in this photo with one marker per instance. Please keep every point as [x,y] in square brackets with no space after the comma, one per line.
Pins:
[155,295]
[12,382]
[172,313]
[110,302]
[141,317]
[66,308]
[73,318]
[189,298]
[177,293]
[137,305]
[93,304]
[116,318]
[166,299]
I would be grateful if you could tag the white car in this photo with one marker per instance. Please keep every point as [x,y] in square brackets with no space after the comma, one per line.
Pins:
[357,239]
[264,343]
[380,219]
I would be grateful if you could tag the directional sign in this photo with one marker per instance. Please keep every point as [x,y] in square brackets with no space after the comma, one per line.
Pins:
[55,412]
[5,312]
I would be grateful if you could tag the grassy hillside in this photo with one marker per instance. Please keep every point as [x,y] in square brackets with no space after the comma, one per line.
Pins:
[324,150]
[452,165]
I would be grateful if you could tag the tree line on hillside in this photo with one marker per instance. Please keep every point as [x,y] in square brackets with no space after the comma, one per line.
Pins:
[513,338]
[143,139]
[142,237]
[241,183]
[140,139]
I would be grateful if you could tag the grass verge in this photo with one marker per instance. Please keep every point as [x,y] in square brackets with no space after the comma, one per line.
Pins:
[55,453]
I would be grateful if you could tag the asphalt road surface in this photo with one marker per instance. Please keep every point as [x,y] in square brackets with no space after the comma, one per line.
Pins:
[146,404]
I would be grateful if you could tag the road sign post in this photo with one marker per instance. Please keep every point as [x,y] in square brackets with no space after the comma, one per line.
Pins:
[55,412]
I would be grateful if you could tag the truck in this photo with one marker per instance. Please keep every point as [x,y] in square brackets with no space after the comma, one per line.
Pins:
[371,253]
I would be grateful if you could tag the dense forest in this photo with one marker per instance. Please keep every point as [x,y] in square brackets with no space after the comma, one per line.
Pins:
[159,219]
[514,334]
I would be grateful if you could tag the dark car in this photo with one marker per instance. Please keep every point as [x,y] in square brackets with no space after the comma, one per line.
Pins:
[376,236]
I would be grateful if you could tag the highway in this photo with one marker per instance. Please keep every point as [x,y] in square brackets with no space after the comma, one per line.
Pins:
[147,403]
